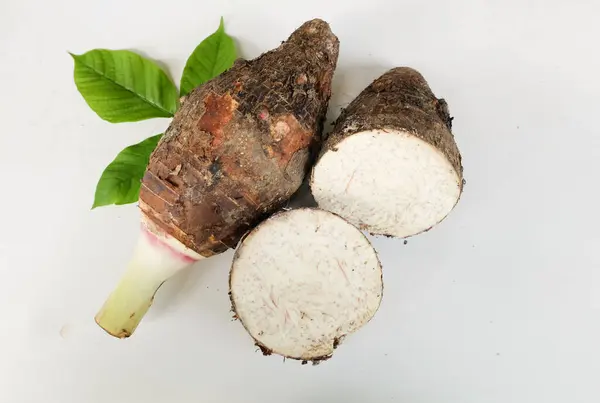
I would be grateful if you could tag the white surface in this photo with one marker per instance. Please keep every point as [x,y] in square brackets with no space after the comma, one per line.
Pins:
[386,182]
[501,303]
[304,280]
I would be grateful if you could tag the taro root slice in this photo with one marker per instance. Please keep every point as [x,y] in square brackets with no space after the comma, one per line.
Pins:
[391,165]
[303,280]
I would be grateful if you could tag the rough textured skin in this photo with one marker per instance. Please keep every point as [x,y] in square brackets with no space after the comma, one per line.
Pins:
[399,100]
[241,144]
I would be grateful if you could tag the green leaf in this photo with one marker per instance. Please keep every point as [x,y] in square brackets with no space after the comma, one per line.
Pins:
[122,86]
[212,56]
[120,182]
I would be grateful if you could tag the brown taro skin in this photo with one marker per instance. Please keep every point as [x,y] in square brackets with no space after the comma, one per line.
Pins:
[241,144]
[400,99]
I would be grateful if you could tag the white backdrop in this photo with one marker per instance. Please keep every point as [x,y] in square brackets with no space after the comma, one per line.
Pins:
[500,303]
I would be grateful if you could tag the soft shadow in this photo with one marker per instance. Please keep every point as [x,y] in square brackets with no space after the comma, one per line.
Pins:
[303,197]
[334,394]
[247,50]
[181,287]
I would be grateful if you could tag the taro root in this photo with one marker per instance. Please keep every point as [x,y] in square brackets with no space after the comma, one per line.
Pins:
[238,148]
[391,165]
[303,280]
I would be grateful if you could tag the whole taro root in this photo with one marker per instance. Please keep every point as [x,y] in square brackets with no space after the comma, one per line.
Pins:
[236,151]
